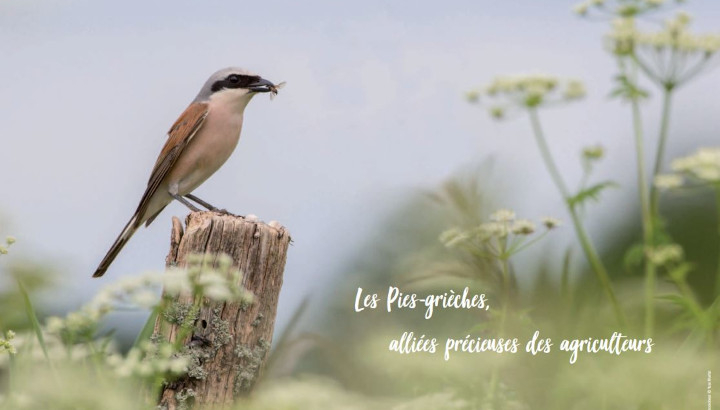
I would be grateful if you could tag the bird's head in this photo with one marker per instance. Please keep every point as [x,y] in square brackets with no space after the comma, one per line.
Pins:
[235,86]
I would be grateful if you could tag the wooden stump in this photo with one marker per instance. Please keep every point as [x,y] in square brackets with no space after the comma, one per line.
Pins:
[230,341]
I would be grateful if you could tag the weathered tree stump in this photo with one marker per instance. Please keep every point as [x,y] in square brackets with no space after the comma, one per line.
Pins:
[230,341]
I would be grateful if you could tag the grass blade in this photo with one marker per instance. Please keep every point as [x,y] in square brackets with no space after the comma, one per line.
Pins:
[33,318]
[148,328]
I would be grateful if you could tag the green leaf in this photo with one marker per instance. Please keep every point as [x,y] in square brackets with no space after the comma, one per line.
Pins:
[33,318]
[713,313]
[148,329]
[634,256]
[590,193]
[677,300]
[688,307]
[680,272]
[628,90]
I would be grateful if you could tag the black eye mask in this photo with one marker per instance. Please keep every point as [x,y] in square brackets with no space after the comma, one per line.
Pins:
[235,81]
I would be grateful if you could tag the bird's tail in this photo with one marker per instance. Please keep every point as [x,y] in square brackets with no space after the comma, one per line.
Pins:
[116,247]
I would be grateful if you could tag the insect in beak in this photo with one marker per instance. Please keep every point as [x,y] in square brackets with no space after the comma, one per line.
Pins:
[262,86]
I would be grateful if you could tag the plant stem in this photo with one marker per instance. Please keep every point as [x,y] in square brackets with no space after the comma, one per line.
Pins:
[546,155]
[505,269]
[590,252]
[717,206]
[96,357]
[689,296]
[11,374]
[149,326]
[647,219]
[492,391]
[32,316]
[660,154]
[506,293]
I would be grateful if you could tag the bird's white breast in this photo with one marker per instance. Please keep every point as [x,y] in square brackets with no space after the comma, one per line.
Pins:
[209,149]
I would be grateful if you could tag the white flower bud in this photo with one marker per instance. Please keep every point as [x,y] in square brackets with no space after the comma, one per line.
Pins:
[668,181]
[522,227]
[502,215]
[550,222]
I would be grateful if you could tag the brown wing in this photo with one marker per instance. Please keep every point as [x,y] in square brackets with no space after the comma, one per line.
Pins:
[179,136]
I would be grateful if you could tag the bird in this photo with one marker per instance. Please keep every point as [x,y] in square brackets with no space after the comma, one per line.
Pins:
[198,144]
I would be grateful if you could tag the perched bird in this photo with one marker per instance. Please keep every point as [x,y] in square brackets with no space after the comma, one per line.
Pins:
[199,142]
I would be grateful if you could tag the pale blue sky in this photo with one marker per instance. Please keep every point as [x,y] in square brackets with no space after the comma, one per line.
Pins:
[373,110]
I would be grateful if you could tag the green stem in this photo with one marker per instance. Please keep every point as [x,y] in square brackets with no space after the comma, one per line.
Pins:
[523,245]
[660,154]
[505,267]
[565,276]
[566,293]
[96,357]
[647,219]
[11,374]
[149,327]
[32,316]
[590,252]
[689,296]
[717,206]
[546,155]
[506,295]
[494,380]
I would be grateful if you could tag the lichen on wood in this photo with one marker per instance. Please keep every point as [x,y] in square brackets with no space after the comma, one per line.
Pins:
[230,341]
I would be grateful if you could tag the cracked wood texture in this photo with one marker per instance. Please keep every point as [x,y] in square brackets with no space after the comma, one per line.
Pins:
[229,342]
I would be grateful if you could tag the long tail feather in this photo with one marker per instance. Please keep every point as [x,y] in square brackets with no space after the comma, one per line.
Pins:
[117,246]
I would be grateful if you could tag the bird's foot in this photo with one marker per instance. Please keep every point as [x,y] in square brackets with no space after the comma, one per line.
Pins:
[224,211]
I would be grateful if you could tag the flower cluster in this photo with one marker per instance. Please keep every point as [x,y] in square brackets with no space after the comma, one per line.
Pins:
[669,56]
[77,327]
[676,36]
[593,153]
[704,165]
[550,223]
[26,344]
[503,223]
[6,344]
[527,91]
[622,37]
[149,361]
[668,181]
[665,254]
[504,227]
[619,8]
[206,276]
[212,276]
[4,248]
[140,291]
[700,169]
[82,325]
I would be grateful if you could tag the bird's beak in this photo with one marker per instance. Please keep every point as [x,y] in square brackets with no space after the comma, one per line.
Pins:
[262,86]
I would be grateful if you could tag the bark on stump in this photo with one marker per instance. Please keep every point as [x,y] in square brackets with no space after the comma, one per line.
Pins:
[230,342]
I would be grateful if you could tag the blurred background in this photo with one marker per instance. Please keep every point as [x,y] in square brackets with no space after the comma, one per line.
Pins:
[354,156]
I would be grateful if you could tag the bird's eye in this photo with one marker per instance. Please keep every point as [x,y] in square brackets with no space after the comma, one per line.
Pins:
[233,79]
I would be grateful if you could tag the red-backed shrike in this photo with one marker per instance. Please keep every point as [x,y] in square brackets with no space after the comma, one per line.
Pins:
[199,142]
